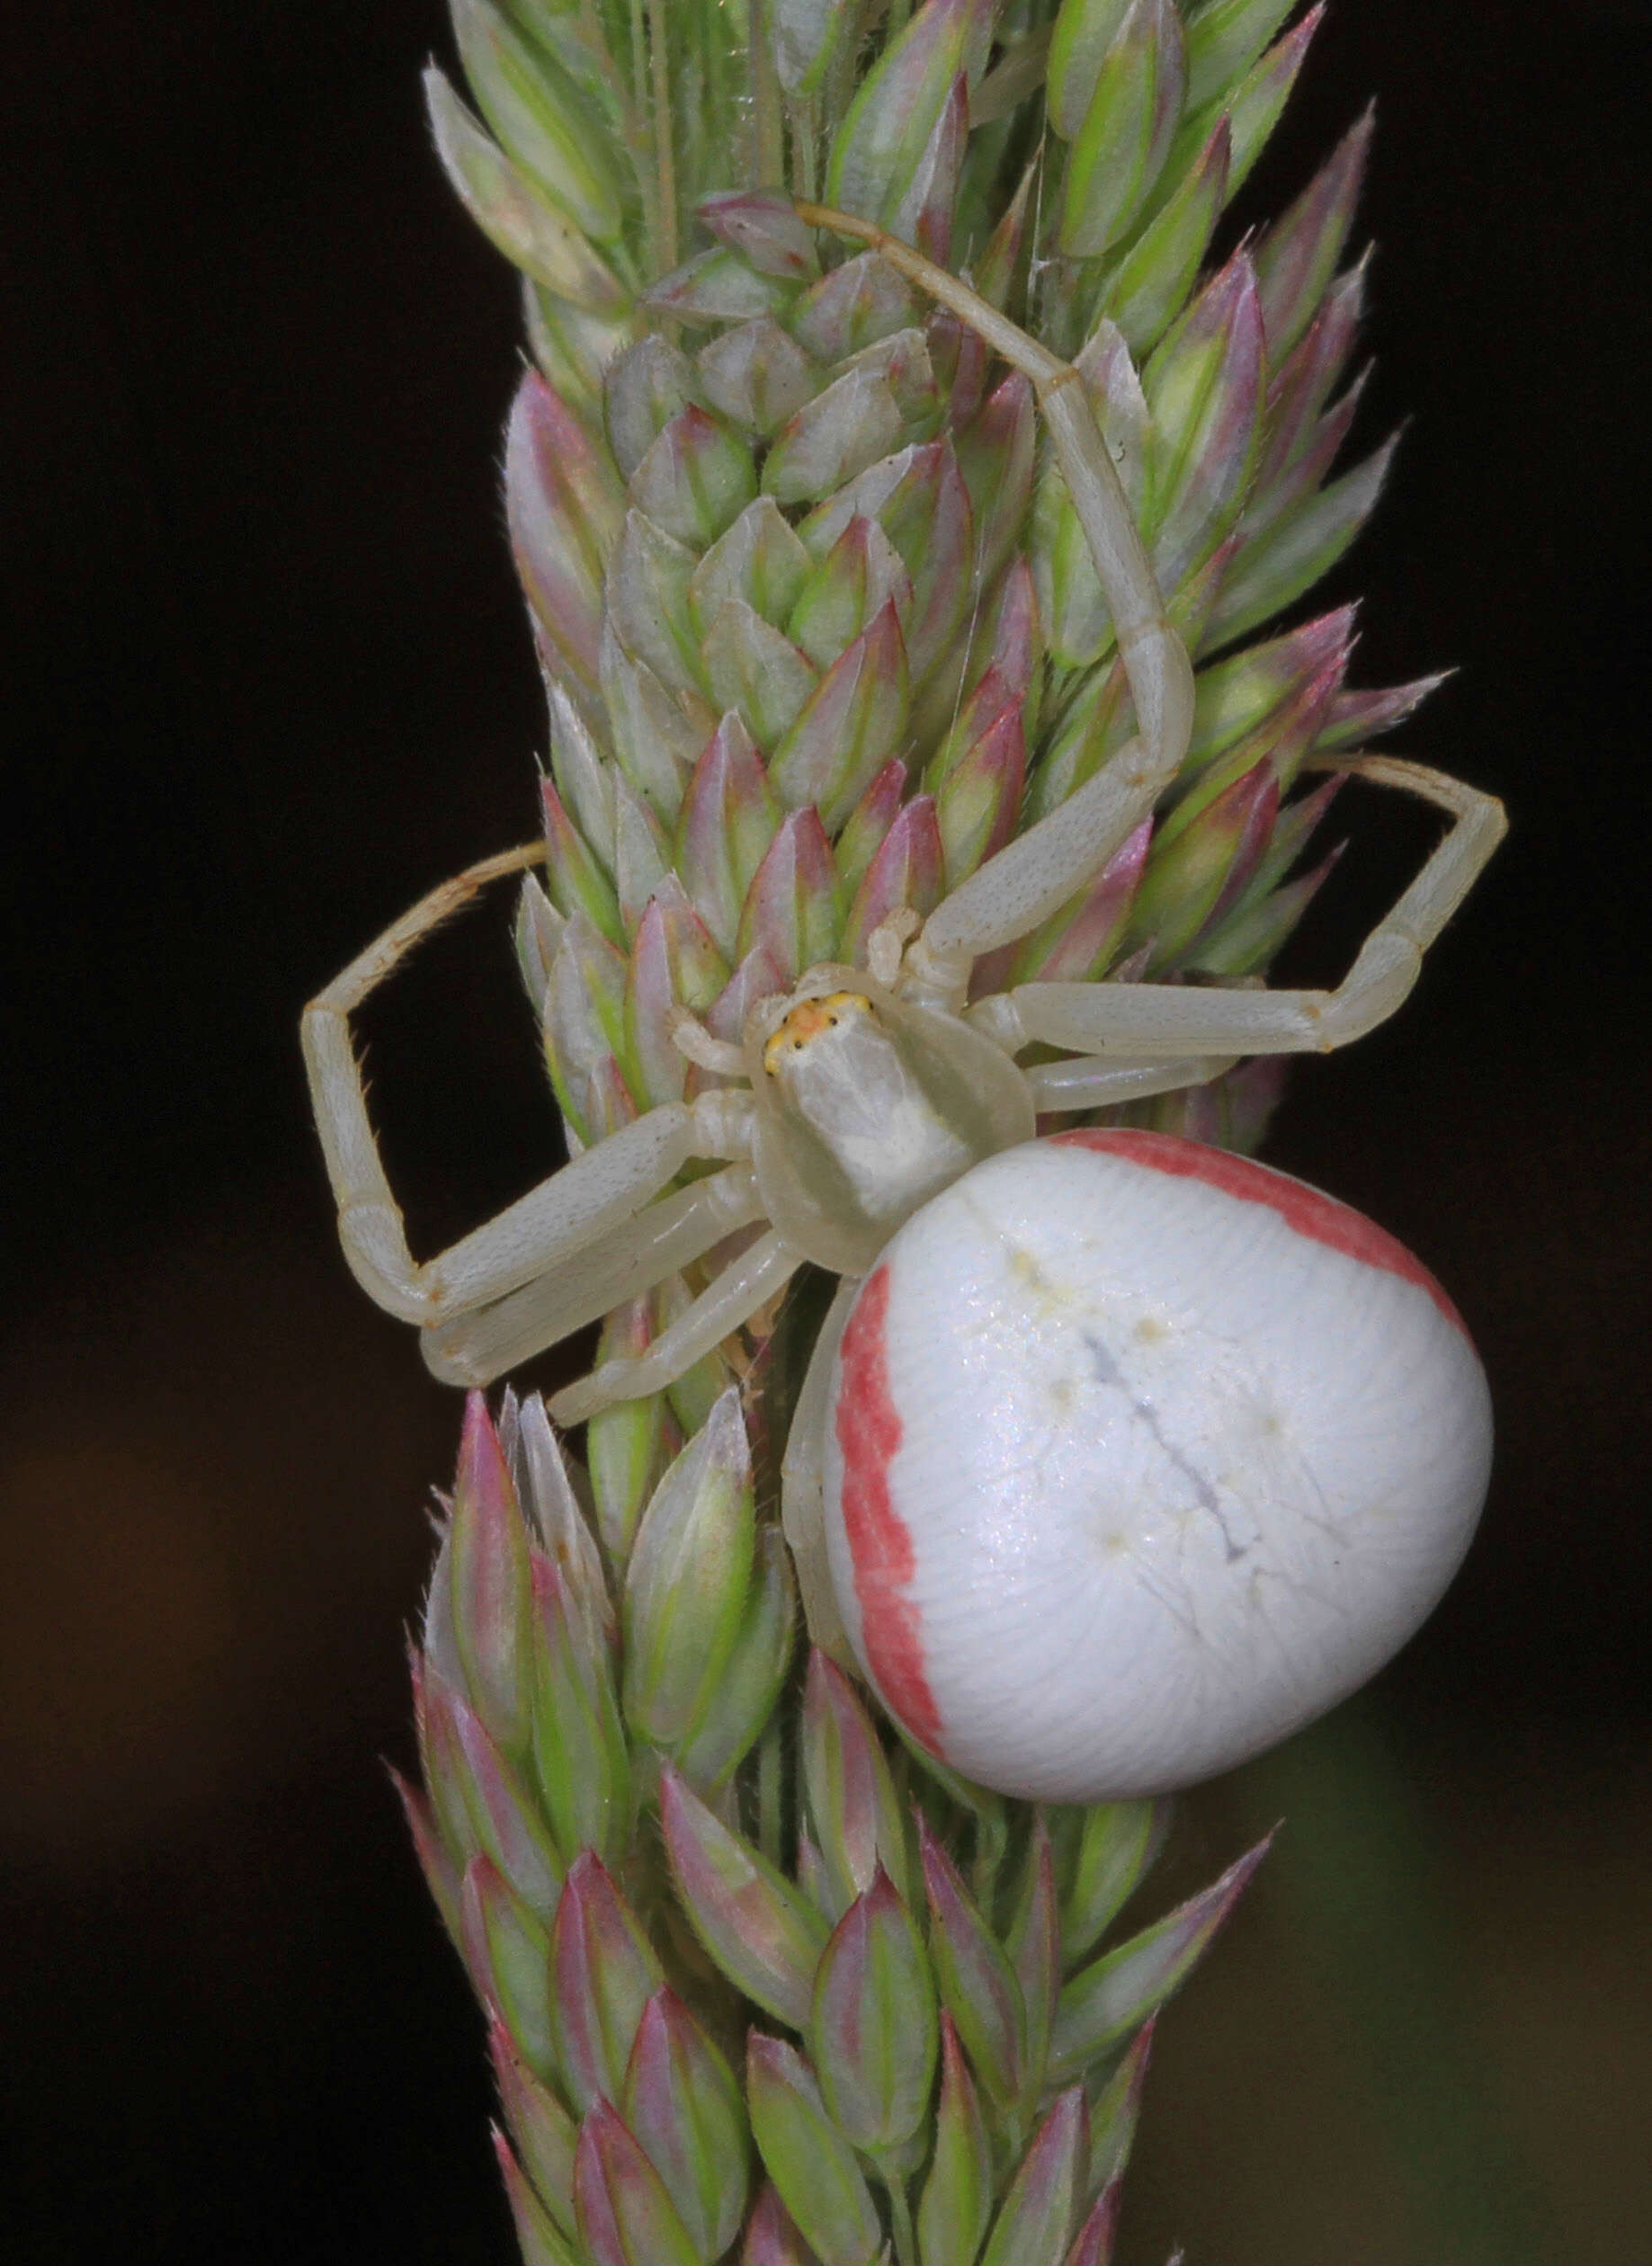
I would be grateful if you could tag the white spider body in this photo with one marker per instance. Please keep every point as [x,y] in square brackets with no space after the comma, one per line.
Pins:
[1138,1457]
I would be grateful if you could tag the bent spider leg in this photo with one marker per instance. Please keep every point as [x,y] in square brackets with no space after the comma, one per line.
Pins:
[1092,1082]
[734,1296]
[577,1204]
[1031,876]
[1144,1018]
[475,1347]
[1156,662]
[690,1038]
[803,1485]
[886,946]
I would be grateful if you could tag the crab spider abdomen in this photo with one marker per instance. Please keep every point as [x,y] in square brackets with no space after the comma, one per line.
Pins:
[1140,1457]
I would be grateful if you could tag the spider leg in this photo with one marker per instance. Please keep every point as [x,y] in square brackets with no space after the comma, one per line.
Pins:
[1091,1082]
[1032,876]
[1014,892]
[803,1486]
[475,1347]
[586,1199]
[1154,659]
[1142,1019]
[734,1296]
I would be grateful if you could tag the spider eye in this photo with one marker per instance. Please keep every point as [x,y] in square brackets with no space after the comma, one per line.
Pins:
[808,1019]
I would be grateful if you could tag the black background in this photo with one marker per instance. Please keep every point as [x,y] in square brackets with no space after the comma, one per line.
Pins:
[265,680]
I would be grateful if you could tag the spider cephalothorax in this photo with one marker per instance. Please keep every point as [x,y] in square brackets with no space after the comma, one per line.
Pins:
[865,1105]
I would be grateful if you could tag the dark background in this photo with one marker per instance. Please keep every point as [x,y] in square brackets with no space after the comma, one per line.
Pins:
[266,679]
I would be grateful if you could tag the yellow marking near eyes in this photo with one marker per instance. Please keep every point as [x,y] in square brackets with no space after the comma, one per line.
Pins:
[808,1019]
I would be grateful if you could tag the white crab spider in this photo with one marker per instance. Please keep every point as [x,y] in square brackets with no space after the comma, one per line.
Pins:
[865,1094]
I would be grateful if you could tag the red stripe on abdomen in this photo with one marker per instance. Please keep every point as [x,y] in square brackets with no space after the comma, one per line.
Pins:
[869,1433]
[1303,1209]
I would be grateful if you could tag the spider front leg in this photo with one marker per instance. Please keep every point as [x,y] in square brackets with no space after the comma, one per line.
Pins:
[1029,879]
[1140,1019]
[594,1196]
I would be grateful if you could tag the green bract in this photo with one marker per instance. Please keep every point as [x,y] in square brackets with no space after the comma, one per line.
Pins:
[958,2058]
